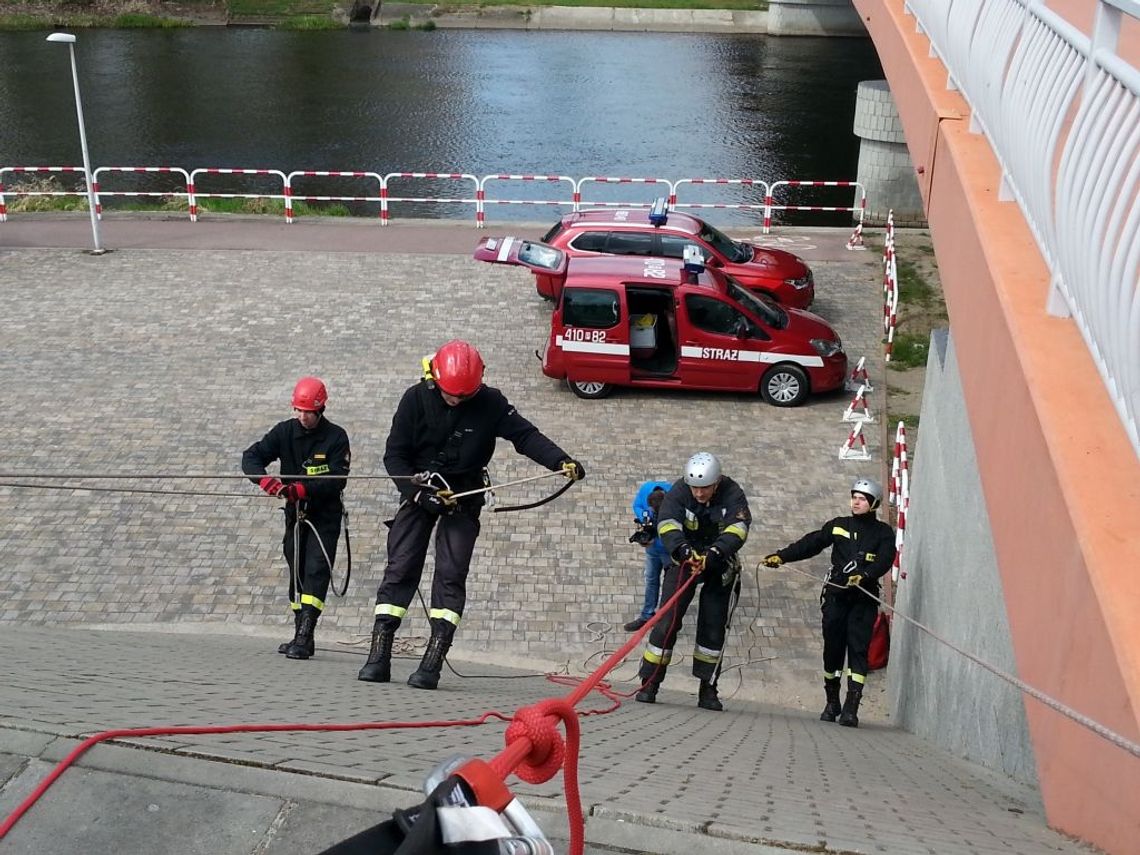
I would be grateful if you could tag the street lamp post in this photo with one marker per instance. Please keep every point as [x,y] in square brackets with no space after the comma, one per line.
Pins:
[69,40]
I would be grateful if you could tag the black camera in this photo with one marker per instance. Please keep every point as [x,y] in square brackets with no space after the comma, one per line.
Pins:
[646,533]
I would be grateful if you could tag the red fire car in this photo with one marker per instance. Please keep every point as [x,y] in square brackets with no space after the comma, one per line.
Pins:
[660,233]
[666,323]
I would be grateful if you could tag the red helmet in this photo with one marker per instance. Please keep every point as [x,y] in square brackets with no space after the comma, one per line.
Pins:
[458,369]
[310,395]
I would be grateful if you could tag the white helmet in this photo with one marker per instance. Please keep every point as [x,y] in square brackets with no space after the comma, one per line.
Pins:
[870,489]
[702,470]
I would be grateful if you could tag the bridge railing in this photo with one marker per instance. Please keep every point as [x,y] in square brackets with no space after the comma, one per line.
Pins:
[1062,112]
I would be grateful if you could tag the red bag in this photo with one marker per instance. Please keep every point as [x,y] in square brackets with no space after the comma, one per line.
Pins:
[878,652]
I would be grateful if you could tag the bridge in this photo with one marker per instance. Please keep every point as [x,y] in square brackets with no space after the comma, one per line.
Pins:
[1023,122]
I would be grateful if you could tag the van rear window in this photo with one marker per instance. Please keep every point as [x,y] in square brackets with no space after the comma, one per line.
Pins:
[593,308]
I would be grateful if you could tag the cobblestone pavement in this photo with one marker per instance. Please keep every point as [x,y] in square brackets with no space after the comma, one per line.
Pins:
[173,360]
[681,776]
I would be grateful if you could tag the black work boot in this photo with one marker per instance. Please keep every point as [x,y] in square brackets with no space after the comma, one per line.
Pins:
[284,645]
[427,675]
[832,710]
[850,715]
[706,697]
[302,647]
[378,668]
[648,694]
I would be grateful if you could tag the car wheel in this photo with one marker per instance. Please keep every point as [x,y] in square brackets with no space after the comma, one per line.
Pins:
[589,388]
[785,385]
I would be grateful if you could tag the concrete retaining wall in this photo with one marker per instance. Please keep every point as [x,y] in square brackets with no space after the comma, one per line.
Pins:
[953,587]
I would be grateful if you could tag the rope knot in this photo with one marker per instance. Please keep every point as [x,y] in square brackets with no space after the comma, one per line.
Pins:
[539,725]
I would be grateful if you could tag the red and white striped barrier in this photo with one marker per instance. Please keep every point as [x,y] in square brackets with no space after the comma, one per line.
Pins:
[291,195]
[99,191]
[770,202]
[860,377]
[855,448]
[195,194]
[386,198]
[482,200]
[858,410]
[21,170]
[890,287]
[722,182]
[899,495]
[582,182]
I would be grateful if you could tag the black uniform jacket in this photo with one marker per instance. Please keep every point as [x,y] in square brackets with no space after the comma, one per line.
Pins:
[723,523]
[457,442]
[320,451]
[861,538]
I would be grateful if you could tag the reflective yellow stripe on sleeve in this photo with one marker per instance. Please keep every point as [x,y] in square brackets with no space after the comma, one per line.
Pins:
[739,529]
[668,525]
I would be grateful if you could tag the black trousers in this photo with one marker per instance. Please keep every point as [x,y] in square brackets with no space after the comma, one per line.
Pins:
[848,617]
[712,624]
[314,570]
[408,538]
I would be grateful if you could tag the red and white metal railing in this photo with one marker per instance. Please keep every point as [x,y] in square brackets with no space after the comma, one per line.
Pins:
[195,194]
[292,196]
[770,204]
[890,287]
[386,198]
[899,496]
[99,190]
[722,182]
[23,170]
[572,202]
[582,182]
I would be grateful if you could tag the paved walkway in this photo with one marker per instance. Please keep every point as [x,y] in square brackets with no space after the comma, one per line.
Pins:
[175,351]
[665,778]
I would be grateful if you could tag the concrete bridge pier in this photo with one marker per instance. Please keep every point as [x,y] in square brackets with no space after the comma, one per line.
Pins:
[814,18]
[885,168]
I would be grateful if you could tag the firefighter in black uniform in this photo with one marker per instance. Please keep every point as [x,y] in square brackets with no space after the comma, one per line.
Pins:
[703,522]
[862,551]
[308,444]
[446,425]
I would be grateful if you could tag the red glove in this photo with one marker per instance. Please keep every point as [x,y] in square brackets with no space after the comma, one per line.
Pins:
[294,493]
[271,485]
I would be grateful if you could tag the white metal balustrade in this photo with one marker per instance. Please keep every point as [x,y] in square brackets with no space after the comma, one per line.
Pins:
[1062,112]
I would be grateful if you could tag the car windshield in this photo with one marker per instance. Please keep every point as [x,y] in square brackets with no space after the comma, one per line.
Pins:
[763,307]
[540,255]
[737,253]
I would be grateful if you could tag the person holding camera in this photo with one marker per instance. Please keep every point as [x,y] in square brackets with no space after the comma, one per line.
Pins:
[646,505]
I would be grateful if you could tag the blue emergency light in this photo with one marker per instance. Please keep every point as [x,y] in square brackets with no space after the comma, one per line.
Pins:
[659,213]
[694,259]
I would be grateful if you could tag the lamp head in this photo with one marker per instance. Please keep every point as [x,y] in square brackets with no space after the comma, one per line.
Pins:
[64,38]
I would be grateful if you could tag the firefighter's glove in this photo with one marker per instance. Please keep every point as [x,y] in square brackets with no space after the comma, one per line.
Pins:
[271,485]
[434,503]
[773,560]
[683,553]
[715,560]
[572,469]
[294,493]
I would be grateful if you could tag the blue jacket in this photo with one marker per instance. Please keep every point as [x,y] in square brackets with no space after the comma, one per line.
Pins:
[643,513]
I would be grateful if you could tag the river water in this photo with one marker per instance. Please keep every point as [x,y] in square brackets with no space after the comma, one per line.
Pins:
[476,101]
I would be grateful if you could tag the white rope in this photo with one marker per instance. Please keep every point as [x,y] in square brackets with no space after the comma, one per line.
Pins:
[1067,711]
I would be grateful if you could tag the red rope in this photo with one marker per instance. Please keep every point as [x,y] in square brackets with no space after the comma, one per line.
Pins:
[535,750]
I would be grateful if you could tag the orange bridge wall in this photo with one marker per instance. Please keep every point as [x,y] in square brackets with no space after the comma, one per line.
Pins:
[1060,479]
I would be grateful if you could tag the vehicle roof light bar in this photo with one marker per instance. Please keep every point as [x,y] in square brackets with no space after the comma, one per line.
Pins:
[659,213]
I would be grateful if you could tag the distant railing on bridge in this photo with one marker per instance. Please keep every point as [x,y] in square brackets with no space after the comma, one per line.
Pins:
[1062,113]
